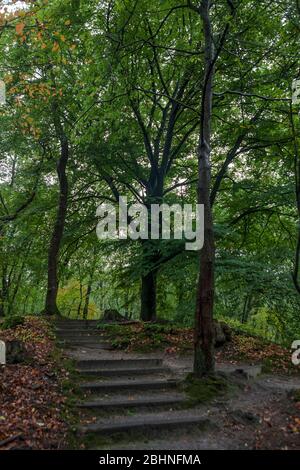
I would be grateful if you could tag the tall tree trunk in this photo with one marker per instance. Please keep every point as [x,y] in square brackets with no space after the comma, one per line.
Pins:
[1,305]
[80,301]
[4,293]
[204,362]
[247,308]
[148,297]
[87,299]
[58,229]
[151,256]
[295,273]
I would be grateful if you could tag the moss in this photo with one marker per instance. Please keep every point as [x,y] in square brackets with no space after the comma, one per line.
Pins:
[207,388]
[267,365]
[94,441]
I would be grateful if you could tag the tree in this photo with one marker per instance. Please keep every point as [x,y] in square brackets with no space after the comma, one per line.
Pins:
[119,94]
[156,115]
[214,45]
[58,229]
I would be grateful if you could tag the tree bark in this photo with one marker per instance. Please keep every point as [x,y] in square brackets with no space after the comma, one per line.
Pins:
[4,293]
[58,229]
[204,362]
[1,305]
[148,297]
[87,299]
[247,308]
[295,273]
[80,301]
[151,257]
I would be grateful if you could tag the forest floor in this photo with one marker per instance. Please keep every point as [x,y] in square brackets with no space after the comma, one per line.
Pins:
[261,412]
[178,341]
[33,411]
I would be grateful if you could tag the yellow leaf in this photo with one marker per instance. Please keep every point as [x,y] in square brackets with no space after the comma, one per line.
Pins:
[19,28]
[55,47]
[44,46]
[8,79]
[67,23]
[62,37]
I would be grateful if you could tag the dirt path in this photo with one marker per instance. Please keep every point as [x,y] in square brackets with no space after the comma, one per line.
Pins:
[133,402]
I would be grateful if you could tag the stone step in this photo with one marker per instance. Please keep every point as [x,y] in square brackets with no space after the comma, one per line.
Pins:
[81,332]
[78,330]
[76,327]
[87,345]
[145,423]
[131,372]
[118,363]
[82,338]
[79,340]
[117,386]
[185,440]
[138,402]
[81,323]
[75,321]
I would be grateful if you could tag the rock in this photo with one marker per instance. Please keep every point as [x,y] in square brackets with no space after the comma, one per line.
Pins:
[241,373]
[222,333]
[112,315]
[248,372]
[15,352]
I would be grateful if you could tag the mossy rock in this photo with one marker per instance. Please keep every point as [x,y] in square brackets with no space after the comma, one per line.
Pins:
[222,332]
[112,315]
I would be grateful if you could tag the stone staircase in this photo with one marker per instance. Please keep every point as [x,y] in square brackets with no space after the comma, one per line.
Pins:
[124,396]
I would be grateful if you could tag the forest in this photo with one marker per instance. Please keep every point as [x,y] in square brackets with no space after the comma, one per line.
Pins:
[174,102]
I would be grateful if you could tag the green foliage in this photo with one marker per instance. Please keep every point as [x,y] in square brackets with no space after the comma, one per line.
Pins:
[114,74]
[71,299]
[12,321]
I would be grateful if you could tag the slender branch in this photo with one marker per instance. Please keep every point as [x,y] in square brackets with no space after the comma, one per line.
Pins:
[251,95]
[10,217]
